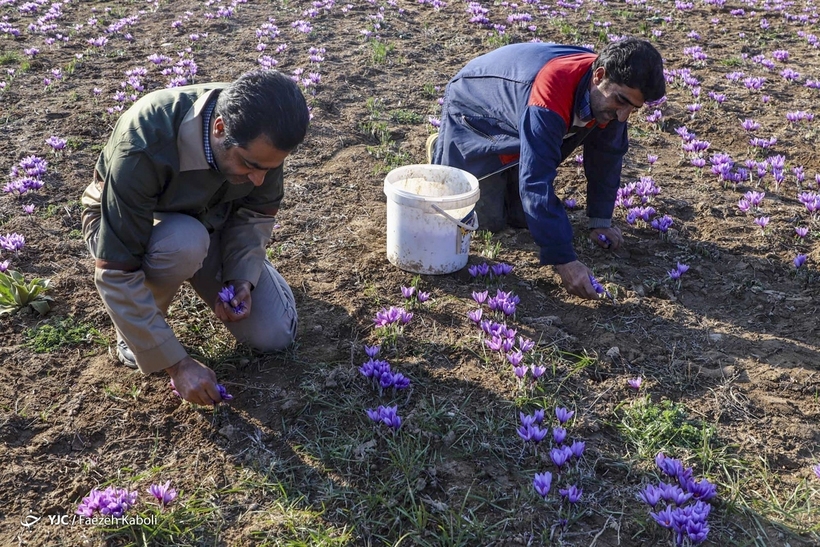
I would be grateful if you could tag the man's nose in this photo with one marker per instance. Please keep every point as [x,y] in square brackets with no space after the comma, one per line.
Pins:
[257,177]
[624,113]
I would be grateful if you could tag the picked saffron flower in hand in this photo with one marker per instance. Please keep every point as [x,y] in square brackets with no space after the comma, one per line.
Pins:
[164,494]
[227,294]
[598,287]
[223,392]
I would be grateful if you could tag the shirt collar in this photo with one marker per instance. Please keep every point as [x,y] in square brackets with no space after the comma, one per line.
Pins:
[189,137]
[206,134]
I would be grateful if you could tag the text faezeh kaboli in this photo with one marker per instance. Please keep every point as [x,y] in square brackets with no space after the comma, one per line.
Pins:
[101,520]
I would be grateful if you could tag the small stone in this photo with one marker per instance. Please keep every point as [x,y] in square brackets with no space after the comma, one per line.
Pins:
[613,352]
[715,337]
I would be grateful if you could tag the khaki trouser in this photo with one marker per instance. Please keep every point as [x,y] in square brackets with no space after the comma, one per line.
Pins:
[180,249]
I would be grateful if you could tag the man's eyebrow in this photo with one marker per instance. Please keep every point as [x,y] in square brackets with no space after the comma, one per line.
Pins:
[256,165]
[624,99]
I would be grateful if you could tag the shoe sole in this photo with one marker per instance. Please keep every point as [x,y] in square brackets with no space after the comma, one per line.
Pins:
[430,146]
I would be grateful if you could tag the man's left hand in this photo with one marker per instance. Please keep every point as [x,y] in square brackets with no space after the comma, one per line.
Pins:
[612,237]
[225,310]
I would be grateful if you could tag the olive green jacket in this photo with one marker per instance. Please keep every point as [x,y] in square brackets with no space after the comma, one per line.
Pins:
[155,162]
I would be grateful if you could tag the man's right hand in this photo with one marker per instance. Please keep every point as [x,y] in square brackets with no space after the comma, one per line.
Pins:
[575,278]
[195,382]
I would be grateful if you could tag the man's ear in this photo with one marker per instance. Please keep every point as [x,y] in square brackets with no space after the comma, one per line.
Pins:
[598,75]
[219,127]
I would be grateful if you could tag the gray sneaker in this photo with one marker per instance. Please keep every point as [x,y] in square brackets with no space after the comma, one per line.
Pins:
[125,355]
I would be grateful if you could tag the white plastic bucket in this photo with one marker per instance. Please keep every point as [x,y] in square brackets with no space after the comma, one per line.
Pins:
[430,217]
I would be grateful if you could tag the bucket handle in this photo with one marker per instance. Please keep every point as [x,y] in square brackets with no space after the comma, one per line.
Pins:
[454,220]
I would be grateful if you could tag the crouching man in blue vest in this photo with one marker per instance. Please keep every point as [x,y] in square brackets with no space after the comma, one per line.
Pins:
[510,117]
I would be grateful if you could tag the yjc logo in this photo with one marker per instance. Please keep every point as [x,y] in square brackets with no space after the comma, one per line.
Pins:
[30,521]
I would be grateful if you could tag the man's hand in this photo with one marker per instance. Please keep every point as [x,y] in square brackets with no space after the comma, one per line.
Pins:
[575,278]
[609,238]
[195,382]
[225,310]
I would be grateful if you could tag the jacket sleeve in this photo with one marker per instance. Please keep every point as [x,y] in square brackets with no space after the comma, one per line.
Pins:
[542,132]
[248,230]
[604,151]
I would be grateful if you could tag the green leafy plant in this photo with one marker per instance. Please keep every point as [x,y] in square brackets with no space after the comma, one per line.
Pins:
[57,333]
[16,293]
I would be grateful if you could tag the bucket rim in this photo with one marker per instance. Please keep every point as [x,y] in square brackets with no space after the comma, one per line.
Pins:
[463,199]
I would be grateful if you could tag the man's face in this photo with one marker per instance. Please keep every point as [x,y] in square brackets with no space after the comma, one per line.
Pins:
[248,164]
[610,101]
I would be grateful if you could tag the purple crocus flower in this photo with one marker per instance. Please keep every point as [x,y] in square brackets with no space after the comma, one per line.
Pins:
[650,495]
[423,296]
[515,358]
[672,467]
[577,448]
[570,203]
[542,483]
[635,383]
[572,494]
[91,503]
[372,351]
[750,125]
[559,434]
[801,231]
[389,417]
[799,260]
[598,287]
[4,266]
[56,143]
[223,392]
[408,292]
[701,490]
[520,371]
[12,242]
[674,494]
[227,294]
[537,370]
[480,297]
[664,517]
[28,209]
[475,315]
[559,456]
[563,414]
[532,433]
[494,344]
[762,222]
[501,269]
[164,494]
[816,469]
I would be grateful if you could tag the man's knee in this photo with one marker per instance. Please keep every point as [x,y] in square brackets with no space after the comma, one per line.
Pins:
[180,247]
[276,337]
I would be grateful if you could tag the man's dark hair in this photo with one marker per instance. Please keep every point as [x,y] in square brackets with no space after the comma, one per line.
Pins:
[263,102]
[634,63]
